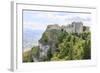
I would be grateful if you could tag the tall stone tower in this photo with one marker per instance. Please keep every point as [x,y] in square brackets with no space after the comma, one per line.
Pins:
[74,27]
[77,27]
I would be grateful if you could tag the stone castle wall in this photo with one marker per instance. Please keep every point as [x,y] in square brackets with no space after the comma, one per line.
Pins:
[74,27]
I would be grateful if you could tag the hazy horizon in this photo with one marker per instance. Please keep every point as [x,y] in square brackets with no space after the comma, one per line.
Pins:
[35,23]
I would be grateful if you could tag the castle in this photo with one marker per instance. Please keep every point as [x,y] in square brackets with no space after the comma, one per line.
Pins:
[75,27]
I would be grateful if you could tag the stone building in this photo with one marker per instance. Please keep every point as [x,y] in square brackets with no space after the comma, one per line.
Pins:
[75,27]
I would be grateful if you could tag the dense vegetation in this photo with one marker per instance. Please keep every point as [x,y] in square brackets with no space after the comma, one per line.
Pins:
[69,46]
[27,56]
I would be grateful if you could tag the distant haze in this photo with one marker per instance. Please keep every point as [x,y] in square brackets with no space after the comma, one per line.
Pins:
[35,23]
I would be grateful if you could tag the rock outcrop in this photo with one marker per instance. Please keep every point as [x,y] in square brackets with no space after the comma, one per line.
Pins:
[48,44]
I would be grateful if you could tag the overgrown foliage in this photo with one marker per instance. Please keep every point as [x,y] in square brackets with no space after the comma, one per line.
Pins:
[74,47]
[27,56]
[69,46]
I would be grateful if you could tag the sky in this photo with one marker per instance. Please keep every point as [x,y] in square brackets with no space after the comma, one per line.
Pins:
[40,19]
[35,23]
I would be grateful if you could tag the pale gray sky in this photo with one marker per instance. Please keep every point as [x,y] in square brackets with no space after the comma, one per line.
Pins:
[40,19]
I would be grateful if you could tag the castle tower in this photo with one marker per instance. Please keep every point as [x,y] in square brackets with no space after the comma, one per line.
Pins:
[77,27]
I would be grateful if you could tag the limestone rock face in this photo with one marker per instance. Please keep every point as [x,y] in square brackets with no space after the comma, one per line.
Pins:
[50,37]
[54,26]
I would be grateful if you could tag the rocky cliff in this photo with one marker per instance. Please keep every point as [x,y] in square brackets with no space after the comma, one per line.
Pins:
[55,36]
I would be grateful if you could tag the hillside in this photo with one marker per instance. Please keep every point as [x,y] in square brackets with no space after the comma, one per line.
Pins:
[57,44]
[65,46]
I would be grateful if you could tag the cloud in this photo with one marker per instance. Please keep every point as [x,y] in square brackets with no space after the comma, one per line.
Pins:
[40,19]
[51,15]
[34,26]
